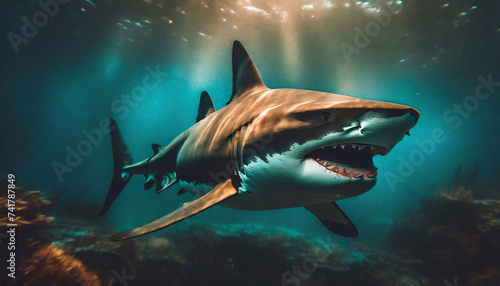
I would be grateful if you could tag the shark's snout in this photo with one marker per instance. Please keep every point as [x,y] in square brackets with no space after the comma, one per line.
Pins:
[413,112]
[401,112]
[387,127]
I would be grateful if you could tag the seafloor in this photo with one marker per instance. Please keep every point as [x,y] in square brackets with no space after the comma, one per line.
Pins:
[451,238]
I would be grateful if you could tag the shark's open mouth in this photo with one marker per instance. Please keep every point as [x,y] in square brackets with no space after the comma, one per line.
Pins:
[348,160]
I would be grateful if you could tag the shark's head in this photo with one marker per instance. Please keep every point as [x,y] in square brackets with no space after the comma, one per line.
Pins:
[324,142]
[316,142]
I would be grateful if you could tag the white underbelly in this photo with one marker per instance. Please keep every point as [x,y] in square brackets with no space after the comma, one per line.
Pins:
[264,196]
[279,183]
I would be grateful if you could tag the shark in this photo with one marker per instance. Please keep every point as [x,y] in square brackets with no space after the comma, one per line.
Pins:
[268,149]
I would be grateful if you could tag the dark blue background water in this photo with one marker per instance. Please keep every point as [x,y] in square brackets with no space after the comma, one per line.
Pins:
[65,79]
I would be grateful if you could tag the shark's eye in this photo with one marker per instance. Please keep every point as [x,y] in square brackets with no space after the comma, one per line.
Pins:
[326,116]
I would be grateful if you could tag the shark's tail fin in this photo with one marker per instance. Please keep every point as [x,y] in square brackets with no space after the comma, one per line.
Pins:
[121,158]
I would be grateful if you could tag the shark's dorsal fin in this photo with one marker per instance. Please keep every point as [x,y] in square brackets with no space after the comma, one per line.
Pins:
[334,219]
[245,75]
[206,106]
[219,193]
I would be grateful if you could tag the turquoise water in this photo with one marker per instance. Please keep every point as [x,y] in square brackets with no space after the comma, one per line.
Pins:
[59,82]
[68,76]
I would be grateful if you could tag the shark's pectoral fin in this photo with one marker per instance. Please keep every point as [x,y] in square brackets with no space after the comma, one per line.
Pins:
[221,192]
[334,219]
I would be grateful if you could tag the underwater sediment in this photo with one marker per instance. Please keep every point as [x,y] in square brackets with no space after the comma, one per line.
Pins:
[451,235]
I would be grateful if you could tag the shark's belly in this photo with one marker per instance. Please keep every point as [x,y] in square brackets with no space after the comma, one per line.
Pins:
[273,184]
[264,202]
[266,197]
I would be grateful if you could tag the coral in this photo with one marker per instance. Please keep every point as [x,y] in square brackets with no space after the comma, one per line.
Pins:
[51,266]
[237,254]
[454,235]
[106,265]
[457,193]
[38,262]
[29,206]
[193,254]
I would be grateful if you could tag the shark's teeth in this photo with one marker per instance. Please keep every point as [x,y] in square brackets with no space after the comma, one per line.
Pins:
[353,146]
[348,172]
[374,150]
